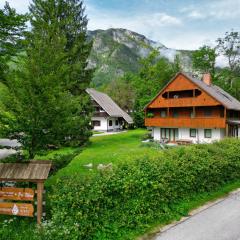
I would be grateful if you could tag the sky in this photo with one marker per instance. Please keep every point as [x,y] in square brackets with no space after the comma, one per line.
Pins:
[179,24]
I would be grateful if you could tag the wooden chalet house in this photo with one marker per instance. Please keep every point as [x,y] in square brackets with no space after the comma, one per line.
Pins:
[108,116]
[193,110]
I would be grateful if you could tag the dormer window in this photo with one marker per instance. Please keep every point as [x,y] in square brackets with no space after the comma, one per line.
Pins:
[182,94]
[207,112]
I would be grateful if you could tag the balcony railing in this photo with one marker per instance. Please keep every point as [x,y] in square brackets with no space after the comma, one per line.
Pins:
[214,122]
[186,102]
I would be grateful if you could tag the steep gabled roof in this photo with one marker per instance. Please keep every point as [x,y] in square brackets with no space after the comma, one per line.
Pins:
[214,91]
[108,105]
[218,93]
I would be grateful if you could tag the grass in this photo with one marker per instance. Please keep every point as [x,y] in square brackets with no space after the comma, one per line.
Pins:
[96,132]
[104,150]
[107,149]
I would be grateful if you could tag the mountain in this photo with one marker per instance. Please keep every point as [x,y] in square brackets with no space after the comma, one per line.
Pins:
[116,51]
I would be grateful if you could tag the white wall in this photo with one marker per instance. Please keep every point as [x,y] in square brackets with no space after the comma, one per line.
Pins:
[216,136]
[114,126]
[156,133]
[105,124]
[184,134]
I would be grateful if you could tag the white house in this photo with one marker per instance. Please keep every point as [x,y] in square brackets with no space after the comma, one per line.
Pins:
[108,116]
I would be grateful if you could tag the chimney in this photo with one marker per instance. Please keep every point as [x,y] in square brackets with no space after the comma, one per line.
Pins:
[207,78]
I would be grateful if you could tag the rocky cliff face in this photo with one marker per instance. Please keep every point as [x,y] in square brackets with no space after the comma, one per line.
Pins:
[116,51]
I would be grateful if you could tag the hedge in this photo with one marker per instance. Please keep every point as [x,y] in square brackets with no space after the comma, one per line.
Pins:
[118,204]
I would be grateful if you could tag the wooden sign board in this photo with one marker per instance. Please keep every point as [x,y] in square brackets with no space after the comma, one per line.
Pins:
[17,209]
[11,193]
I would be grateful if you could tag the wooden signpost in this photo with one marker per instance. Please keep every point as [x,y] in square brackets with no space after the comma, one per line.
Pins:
[17,209]
[11,193]
[34,171]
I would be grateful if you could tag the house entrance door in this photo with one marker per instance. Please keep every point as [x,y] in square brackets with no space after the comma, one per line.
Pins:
[171,134]
[233,131]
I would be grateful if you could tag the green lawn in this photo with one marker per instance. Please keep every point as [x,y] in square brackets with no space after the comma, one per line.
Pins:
[103,150]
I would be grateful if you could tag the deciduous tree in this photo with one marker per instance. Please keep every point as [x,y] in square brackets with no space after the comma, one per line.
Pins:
[122,91]
[154,73]
[229,46]
[204,60]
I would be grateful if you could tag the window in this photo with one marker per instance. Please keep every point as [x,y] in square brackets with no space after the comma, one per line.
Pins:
[110,123]
[169,133]
[175,133]
[193,132]
[164,133]
[192,114]
[175,113]
[182,94]
[207,112]
[116,122]
[207,133]
[96,123]
[163,113]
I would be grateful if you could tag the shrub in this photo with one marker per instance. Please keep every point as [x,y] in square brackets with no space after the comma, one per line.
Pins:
[12,228]
[146,136]
[131,197]
[62,160]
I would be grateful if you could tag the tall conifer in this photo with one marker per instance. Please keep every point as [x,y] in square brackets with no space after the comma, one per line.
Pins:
[48,103]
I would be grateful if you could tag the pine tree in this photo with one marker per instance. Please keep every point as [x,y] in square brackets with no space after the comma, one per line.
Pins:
[48,103]
[12,28]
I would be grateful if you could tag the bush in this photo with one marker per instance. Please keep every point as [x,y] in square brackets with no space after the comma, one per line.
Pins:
[146,136]
[62,160]
[127,200]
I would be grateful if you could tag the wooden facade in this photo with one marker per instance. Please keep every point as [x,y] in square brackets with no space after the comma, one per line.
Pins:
[186,122]
[182,84]
[184,103]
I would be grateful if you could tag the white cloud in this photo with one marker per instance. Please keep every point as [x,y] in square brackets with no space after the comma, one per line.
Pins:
[224,9]
[20,5]
[196,15]
[217,9]
[103,20]
[152,25]
[221,61]
[192,12]
[173,30]
[162,19]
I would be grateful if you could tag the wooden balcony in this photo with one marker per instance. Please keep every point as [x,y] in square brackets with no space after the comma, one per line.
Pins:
[186,102]
[203,122]
[100,114]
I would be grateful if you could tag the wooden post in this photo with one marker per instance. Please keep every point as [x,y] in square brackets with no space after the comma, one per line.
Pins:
[225,113]
[40,187]
[226,128]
